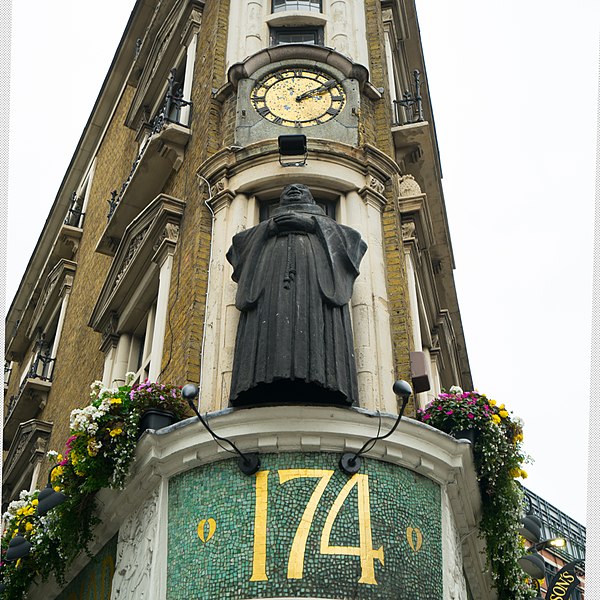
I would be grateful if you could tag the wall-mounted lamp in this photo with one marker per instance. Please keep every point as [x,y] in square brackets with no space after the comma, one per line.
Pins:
[351,462]
[18,547]
[48,498]
[248,463]
[531,528]
[292,145]
[533,564]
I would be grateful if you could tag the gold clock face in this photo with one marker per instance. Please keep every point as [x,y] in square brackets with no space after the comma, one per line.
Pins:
[298,97]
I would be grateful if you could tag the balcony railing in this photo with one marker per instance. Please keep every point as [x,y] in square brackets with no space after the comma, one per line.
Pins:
[32,392]
[75,215]
[410,109]
[170,112]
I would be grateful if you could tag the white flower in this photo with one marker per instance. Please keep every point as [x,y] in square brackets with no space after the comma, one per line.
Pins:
[456,390]
[129,377]
[52,455]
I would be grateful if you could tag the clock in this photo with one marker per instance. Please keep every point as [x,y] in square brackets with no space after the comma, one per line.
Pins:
[299,97]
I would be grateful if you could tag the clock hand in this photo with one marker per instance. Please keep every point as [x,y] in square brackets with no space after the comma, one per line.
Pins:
[318,90]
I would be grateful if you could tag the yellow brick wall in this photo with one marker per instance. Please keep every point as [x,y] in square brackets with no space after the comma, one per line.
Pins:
[79,360]
[377,118]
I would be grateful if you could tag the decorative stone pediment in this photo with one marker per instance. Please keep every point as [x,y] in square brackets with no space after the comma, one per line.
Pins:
[58,279]
[29,444]
[155,228]
[25,405]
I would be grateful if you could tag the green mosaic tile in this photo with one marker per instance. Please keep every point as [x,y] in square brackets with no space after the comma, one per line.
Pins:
[95,579]
[302,528]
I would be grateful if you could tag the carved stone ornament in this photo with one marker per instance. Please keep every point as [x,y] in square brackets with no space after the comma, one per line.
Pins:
[135,550]
[170,232]
[375,184]
[409,187]
[136,242]
[221,185]
[408,230]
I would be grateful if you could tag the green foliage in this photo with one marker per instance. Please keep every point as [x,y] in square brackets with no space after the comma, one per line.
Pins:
[97,455]
[498,458]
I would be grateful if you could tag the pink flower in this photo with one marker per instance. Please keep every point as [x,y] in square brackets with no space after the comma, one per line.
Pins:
[440,407]
[425,417]
[470,416]
[449,412]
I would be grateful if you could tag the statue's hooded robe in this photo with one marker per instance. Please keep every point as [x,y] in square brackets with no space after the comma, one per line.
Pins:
[294,339]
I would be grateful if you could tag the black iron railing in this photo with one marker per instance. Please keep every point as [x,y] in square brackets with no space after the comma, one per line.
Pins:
[170,112]
[410,108]
[42,367]
[75,215]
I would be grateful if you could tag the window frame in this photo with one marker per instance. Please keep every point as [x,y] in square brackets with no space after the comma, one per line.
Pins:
[317,30]
[283,7]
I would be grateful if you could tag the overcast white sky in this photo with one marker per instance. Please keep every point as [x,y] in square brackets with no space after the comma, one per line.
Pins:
[514,86]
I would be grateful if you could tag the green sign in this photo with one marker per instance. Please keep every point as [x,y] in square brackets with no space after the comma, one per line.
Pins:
[95,579]
[300,527]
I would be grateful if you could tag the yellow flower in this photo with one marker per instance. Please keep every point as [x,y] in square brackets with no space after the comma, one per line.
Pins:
[28,527]
[524,474]
[59,458]
[57,488]
[116,401]
[496,419]
[34,502]
[15,532]
[20,511]
[492,402]
[503,414]
[27,512]
[501,407]
[56,472]
[115,432]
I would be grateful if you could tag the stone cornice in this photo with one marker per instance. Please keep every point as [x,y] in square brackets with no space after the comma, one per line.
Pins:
[274,54]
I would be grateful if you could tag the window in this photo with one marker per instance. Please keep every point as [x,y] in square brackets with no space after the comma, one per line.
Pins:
[266,207]
[310,5]
[131,311]
[296,35]
[140,350]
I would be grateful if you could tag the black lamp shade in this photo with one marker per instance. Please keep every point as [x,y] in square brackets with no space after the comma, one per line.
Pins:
[292,145]
[18,548]
[531,528]
[533,564]
[48,499]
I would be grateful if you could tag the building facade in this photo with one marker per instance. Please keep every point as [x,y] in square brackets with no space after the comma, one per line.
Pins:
[557,524]
[182,151]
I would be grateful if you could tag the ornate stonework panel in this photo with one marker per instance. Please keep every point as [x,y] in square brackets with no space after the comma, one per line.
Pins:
[135,550]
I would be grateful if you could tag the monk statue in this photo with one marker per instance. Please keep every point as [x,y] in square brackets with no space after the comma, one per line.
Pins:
[295,273]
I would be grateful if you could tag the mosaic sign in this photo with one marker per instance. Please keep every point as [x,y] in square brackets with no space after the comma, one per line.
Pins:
[300,528]
[95,579]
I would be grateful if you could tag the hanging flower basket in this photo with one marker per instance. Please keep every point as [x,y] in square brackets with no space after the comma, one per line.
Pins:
[155,418]
[496,440]
[465,434]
